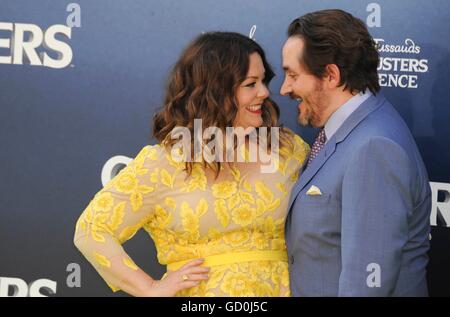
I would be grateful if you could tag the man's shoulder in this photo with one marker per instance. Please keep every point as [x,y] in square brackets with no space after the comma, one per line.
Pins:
[384,122]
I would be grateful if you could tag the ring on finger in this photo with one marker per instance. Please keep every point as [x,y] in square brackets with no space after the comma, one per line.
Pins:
[185,277]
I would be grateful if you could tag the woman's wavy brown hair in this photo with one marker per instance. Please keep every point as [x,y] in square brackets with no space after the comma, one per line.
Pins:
[202,85]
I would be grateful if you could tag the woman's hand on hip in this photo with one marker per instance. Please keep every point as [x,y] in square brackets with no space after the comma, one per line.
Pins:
[189,275]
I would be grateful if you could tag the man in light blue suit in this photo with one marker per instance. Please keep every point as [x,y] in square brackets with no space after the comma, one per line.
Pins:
[358,222]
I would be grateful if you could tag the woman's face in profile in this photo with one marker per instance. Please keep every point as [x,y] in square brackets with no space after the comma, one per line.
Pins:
[250,95]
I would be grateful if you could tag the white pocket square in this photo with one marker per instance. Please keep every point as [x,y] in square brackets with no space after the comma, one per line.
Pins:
[314,191]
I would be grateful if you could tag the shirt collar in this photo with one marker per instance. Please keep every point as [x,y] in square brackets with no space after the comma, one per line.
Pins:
[343,112]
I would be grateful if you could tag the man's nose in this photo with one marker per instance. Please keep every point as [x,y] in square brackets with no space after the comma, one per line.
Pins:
[285,89]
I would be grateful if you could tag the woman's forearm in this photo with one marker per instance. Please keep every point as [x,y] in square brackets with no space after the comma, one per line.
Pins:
[119,271]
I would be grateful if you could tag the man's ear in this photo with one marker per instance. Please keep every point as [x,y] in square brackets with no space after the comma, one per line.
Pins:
[332,76]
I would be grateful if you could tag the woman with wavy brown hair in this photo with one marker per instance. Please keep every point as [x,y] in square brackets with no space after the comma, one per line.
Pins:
[217,221]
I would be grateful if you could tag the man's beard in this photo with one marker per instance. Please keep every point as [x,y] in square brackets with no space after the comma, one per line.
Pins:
[313,107]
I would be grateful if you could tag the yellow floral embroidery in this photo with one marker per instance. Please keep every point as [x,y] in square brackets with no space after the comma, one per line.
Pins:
[295,176]
[214,234]
[137,195]
[153,154]
[117,216]
[263,191]
[260,241]
[233,201]
[263,270]
[264,289]
[154,176]
[247,197]
[222,212]
[97,236]
[274,204]
[113,288]
[301,149]
[166,178]
[136,200]
[282,188]
[237,238]
[214,278]
[197,179]
[278,244]
[237,284]
[169,201]
[285,276]
[96,224]
[162,217]
[243,215]
[224,189]
[285,151]
[202,208]
[101,259]
[247,186]
[281,166]
[125,182]
[173,163]
[267,224]
[129,262]
[280,274]
[191,219]
[236,174]
[260,207]
[127,233]
[103,202]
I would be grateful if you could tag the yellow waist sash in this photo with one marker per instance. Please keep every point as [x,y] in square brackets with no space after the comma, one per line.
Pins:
[234,257]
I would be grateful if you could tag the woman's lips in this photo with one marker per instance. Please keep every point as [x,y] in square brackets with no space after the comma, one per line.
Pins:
[254,109]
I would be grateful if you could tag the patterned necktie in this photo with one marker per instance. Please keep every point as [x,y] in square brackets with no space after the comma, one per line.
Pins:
[318,145]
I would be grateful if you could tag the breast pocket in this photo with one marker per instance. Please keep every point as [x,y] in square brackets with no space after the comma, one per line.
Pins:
[315,199]
[318,213]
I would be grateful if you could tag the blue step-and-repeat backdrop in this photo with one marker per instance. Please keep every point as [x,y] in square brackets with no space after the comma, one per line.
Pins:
[80,82]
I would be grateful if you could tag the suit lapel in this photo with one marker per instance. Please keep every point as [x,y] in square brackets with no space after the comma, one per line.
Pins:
[355,118]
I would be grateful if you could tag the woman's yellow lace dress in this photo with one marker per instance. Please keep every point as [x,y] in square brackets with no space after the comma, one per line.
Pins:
[236,223]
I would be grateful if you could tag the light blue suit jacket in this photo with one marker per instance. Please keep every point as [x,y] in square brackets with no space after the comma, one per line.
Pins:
[368,233]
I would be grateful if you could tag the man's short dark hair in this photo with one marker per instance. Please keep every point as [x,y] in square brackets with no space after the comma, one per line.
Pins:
[337,37]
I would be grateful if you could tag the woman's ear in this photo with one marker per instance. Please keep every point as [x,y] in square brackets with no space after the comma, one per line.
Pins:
[332,76]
